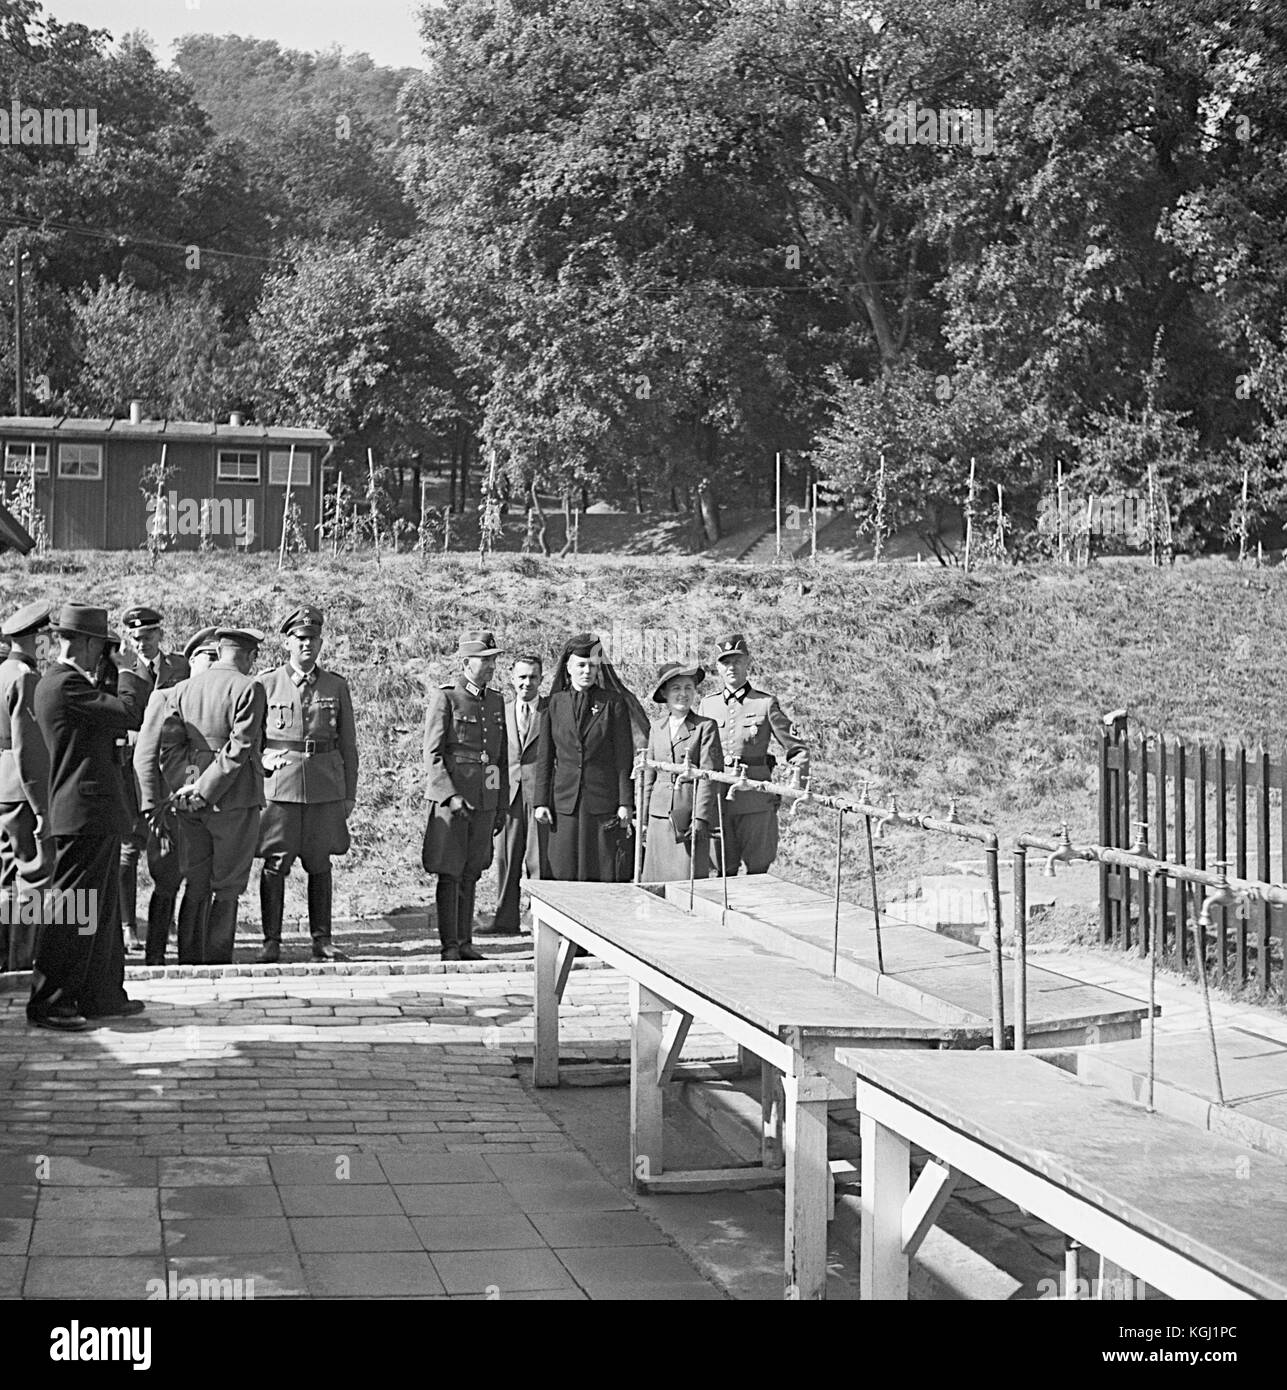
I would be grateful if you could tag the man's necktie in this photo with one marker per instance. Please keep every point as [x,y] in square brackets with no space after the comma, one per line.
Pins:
[524,719]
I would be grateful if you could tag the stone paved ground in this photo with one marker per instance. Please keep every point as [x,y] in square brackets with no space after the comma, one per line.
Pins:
[322,1134]
[330,1133]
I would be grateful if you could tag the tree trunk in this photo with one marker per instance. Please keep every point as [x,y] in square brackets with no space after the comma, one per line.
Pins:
[567,526]
[417,485]
[708,508]
[536,524]
[707,501]
[585,499]
[464,469]
[638,494]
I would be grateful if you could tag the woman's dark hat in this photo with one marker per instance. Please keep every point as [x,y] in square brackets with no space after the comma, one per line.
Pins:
[668,674]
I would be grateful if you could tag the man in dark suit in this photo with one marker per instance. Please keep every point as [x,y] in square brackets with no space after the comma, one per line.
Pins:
[583,787]
[79,970]
[521,843]
[223,711]
[146,668]
[467,787]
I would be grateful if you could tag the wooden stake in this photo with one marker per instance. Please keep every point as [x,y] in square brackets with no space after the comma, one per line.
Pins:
[375,520]
[290,473]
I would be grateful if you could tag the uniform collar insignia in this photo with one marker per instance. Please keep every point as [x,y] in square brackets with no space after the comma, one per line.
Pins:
[739,694]
[475,690]
[301,678]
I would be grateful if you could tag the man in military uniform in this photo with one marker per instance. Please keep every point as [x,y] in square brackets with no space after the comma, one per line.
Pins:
[146,668]
[161,767]
[223,711]
[467,785]
[311,767]
[749,720]
[24,782]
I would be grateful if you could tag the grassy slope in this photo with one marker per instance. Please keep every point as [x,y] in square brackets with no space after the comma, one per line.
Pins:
[987,688]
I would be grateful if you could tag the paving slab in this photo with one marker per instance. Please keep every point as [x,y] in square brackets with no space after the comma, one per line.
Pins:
[93,1277]
[509,1230]
[238,1276]
[579,1229]
[228,1235]
[333,1234]
[377,1274]
[340,1199]
[417,1167]
[454,1199]
[187,1203]
[105,1236]
[504,1271]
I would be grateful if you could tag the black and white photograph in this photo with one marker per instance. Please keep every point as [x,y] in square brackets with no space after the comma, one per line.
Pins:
[639,663]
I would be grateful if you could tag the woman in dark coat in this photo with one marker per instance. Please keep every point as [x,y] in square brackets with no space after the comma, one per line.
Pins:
[584,760]
[679,814]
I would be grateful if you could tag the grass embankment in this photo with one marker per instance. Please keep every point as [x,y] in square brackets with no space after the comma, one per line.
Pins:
[987,688]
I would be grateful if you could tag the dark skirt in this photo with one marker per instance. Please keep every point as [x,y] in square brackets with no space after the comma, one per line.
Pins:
[587,848]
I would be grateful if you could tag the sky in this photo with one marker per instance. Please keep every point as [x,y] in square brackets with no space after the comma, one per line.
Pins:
[386,29]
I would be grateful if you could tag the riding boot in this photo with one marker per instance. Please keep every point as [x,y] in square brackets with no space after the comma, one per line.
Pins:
[129,890]
[272,906]
[446,896]
[160,912]
[468,888]
[194,911]
[221,931]
[319,917]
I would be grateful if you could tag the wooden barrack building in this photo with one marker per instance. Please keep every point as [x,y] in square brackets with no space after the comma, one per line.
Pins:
[228,480]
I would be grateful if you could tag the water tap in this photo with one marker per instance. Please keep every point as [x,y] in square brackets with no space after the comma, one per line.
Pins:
[743,782]
[893,817]
[1221,895]
[952,817]
[1140,847]
[1063,855]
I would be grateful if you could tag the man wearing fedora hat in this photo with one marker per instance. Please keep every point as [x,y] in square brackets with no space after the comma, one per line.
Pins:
[147,668]
[467,787]
[161,767]
[223,712]
[679,814]
[311,771]
[24,781]
[79,970]
[749,720]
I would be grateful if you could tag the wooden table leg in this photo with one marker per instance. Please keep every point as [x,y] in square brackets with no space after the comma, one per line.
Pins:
[647,1016]
[545,1011]
[807,1176]
[886,1169]
[772,1104]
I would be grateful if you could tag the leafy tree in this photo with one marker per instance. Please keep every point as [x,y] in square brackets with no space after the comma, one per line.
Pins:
[171,350]
[346,344]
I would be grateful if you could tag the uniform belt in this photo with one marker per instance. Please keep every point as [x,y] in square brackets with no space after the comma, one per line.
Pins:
[466,755]
[303,745]
[757,767]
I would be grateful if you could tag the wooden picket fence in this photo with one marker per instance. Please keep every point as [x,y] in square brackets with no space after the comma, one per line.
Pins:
[1202,804]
